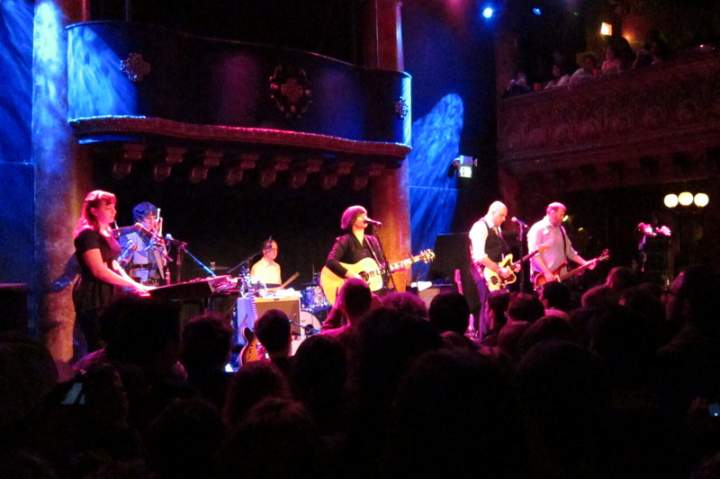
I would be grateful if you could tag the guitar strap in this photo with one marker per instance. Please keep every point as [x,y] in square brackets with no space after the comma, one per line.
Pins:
[383,266]
[562,231]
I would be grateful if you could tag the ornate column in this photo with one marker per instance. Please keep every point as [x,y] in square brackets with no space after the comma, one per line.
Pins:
[390,193]
[62,174]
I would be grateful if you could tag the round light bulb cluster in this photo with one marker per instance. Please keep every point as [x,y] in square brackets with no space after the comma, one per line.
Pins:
[686,198]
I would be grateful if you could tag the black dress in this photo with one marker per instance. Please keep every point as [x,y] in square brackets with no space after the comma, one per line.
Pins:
[91,295]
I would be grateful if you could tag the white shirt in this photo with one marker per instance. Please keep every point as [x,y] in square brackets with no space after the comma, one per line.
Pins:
[550,237]
[478,236]
[580,76]
[266,271]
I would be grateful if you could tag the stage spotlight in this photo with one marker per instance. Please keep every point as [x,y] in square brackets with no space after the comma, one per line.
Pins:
[685,198]
[606,29]
[464,165]
[671,200]
[488,12]
[701,200]
[537,11]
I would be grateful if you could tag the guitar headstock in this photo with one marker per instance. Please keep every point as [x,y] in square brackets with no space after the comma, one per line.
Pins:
[426,256]
[604,256]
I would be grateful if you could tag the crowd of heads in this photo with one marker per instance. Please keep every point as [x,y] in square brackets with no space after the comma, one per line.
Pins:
[618,57]
[616,382]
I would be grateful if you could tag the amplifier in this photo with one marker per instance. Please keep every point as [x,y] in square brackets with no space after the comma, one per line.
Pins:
[249,310]
[427,295]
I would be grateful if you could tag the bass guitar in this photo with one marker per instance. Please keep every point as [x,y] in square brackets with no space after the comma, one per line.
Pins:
[369,271]
[539,280]
[495,282]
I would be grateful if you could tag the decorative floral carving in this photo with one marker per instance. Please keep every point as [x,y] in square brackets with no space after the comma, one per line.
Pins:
[290,90]
[135,67]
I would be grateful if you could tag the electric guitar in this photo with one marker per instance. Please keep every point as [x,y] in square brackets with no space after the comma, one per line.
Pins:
[539,280]
[495,282]
[253,350]
[369,271]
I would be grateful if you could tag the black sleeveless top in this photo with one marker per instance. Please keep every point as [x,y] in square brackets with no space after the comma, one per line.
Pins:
[495,245]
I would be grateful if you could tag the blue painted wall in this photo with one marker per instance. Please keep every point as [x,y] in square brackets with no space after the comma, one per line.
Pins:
[16,169]
[449,52]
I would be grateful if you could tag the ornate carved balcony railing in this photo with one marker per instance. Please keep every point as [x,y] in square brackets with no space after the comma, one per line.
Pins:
[656,124]
[221,102]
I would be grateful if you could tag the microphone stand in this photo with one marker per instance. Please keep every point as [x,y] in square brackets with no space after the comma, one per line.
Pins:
[521,233]
[244,261]
[202,265]
[387,276]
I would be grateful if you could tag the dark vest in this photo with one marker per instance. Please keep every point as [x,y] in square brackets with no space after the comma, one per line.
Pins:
[495,246]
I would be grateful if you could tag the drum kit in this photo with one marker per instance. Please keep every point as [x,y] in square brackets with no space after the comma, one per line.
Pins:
[254,298]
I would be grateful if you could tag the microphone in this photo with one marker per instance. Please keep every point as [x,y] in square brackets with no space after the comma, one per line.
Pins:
[373,222]
[169,237]
[515,220]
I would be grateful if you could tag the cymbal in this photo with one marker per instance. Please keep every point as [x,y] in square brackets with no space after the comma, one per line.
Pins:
[220,267]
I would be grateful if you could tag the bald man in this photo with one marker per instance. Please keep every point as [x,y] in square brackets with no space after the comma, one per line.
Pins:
[487,248]
[557,248]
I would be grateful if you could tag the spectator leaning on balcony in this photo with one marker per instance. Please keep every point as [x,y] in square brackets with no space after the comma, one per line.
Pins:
[619,56]
[587,69]
[655,50]
[560,77]
[518,85]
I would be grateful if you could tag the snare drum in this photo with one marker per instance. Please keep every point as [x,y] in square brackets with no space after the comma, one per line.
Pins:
[313,299]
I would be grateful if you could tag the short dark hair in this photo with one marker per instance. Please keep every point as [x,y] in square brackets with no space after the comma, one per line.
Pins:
[356,297]
[273,330]
[268,244]
[141,210]
[525,307]
[350,214]
[449,311]
[557,295]
[205,342]
[407,304]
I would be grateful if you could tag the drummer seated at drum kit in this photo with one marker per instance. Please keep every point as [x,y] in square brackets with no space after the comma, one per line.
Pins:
[267,271]
[266,276]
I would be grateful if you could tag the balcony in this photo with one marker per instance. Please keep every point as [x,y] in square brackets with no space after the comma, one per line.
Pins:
[654,125]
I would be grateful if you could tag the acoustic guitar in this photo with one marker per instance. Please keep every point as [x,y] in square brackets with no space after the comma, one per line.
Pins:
[369,271]
[539,280]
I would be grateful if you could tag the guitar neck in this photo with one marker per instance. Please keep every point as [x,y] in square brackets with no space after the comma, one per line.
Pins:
[582,268]
[404,264]
[526,257]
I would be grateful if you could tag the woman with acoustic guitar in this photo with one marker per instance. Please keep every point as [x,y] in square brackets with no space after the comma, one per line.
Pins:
[353,246]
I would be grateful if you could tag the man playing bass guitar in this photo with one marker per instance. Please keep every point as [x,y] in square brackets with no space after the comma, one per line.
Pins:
[549,235]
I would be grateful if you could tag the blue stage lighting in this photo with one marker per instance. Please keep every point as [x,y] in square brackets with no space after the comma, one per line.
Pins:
[488,12]
[536,11]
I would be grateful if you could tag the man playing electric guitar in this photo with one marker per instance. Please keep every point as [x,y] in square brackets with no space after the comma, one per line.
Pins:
[487,248]
[354,245]
[549,235]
